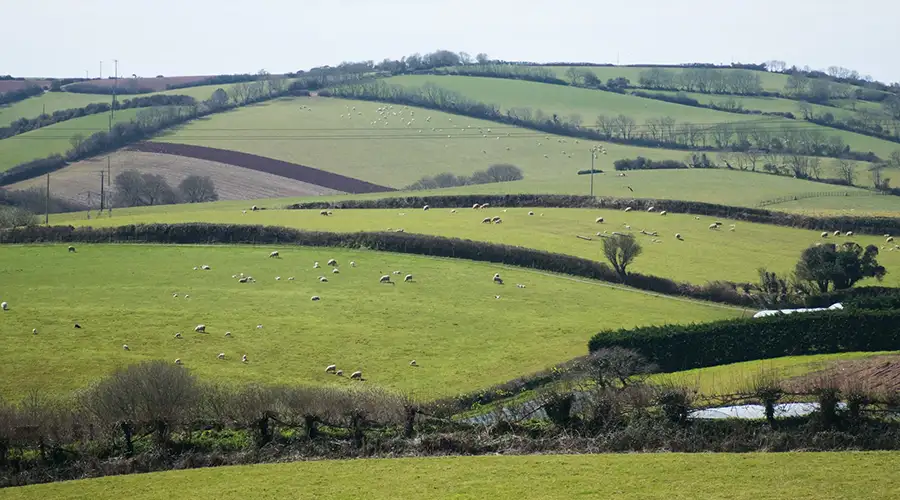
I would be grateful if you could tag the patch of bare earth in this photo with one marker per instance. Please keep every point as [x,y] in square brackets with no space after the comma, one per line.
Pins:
[154,84]
[877,373]
[232,183]
[10,85]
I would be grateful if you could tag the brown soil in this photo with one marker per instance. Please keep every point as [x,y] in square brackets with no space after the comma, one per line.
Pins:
[877,373]
[262,164]
[232,182]
[10,85]
[156,84]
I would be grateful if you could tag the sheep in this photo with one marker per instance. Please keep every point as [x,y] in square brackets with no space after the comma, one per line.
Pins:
[413,363]
[259,327]
[316,265]
[357,375]
[291,278]
[627,227]
[498,221]
[315,298]
[274,254]
[174,295]
[195,268]
[330,369]
[495,218]
[178,335]
[628,209]
[244,359]
[34,331]
[352,263]
[177,361]
[484,205]
[889,239]
[386,279]
[254,208]
[497,279]
[679,237]
[323,279]
[221,355]
[187,296]
[717,223]
[205,268]
[453,211]
[71,249]
[4,306]
[824,234]
[519,285]
[486,220]
[408,278]
[242,280]
[713,226]
[244,212]
[339,373]
[277,278]
[77,326]
[497,297]
[425,208]
[530,213]
[332,262]
[228,334]
[696,217]
[849,233]
[887,236]
[476,206]
[125,347]
[663,213]
[335,271]
[200,328]
[324,212]
[650,209]
[599,220]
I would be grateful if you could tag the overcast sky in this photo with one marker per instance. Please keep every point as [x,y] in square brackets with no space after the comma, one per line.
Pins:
[191,37]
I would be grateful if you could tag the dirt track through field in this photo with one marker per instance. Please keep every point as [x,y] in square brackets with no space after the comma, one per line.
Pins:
[262,164]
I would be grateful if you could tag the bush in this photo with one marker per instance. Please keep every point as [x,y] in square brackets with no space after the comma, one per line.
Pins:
[641,163]
[13,217]
[494,173]
[684,347]
[20,95]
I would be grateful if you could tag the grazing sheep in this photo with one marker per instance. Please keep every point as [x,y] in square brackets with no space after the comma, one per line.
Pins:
[323,279]
[242,280]
[889,239]
[4,306]
[174,295]
[330,369]
[356,375]
[497,297]
[316,265]
[476,206]
[413,363]
[324,212]
[599,220]
[519,285]
[332,262]
[177,361]
[274,254]
[178,335]
[243,211]
[339,373]
[650,209]
[187,296]
[530,213]
[244,358]
[495,218]
[486,220]
[453,211]
[696,217]
[408,278]
[497,279]
[221,355]
[679,237]
[254,208]
[34,331]
[628,209]
[277,278]
[259,327]
[205,268]
[72,249]
[315,298]
[291,278]
[200,328]
[125,346]
[498,221]
[228,334]
[77,326]
[352,264]
[396,272]
[484,205]
[836,233]
[663,213]
[426,207]
[335,271]
[627,227]
[713,226]
[386,279]
[824,234]
[849,233]
[195,268]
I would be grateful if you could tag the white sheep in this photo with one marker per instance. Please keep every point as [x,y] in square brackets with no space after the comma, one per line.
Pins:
[200,328]
[244,358]
[174,295]
[277,278]
[315,298]
[599,220]
[476,206]
[178,335]
[323,279]
[486,220]
[663,213]
[396,272]
[195,268]
[713,226]
[413,363]
[274,254]
[497,279]
[679,237]
[837,233]
[385,279]
[889,239]
[71,249]
[316,265]
[291,278]
[519,285]
[408,278]
[205,268]
[4,306]
[824,234]
[187,296]
[330,369]
[34,331]
[259,327]
[332,262]
[498,220]
[221,355]
[650,209]
[335,271]
[177,361]
[352,264]
[426,207]
[357,375]
[530,213]
[254,208]
[125,346]
[628,209]
[849,233]
[339,373]
[696,217]
[228,334]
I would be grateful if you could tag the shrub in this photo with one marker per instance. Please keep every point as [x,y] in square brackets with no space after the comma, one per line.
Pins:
[641,163]
[12,217]
[683,347]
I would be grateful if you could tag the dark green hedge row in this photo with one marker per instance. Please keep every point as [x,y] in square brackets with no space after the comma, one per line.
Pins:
[200,233]
[684,347]
[862,225]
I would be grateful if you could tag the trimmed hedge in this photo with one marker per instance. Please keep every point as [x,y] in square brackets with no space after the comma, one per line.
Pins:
[861,225]
[684,347]
[200,233]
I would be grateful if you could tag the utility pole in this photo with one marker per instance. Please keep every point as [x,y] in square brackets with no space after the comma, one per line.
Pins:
[594,151]
[102,191]
[115,86]
[47,203]
[101,70]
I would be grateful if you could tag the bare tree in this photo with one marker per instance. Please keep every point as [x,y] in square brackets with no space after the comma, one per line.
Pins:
[198,189]
[847,170]
[879,181]
[625,126]
[776,66]
[895,159]
[156,191]
[482,58]
[621,250]
[753,155]
[805,109]
[129,189]
[799,165]
[722,133]
[814,165]
[606,125]
[796,85]
[76,141]
[465,58]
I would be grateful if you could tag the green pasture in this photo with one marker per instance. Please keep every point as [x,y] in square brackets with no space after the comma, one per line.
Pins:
[447,319]
[663,476]
[704,255]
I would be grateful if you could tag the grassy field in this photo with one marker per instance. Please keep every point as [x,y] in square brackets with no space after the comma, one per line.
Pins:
[588,104]
[767,104]
[448,319]
[54,139]
[737,377]
[55,101]
[737,255]
[669,476]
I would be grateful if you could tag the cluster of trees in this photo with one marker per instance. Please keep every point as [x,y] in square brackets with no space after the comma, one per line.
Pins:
[704,80]
[20,94]
[411,63]
[641,163]
[134,189]
[494,173]
[35,200]
[884,124]
[12,217]
[23,125]
[837,74]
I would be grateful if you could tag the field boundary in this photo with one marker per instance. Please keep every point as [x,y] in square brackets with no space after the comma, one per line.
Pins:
[417,244]
[819,194]
[263,164]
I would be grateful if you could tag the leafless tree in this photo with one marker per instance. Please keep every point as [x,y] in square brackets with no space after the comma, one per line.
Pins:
[198,189]
[805,109]
[625,125]
[847,170]
[606,125]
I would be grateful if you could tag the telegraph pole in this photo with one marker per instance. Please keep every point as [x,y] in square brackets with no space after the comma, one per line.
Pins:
[101,70]
[47,203]
[102,191]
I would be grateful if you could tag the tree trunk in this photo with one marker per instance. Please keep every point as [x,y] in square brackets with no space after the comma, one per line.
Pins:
[128,432]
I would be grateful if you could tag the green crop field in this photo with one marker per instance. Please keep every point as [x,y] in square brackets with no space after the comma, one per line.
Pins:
[704,255]
[448,319]
[54,139]
[588,104]
[664,476]
[738,377]
[767,104]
